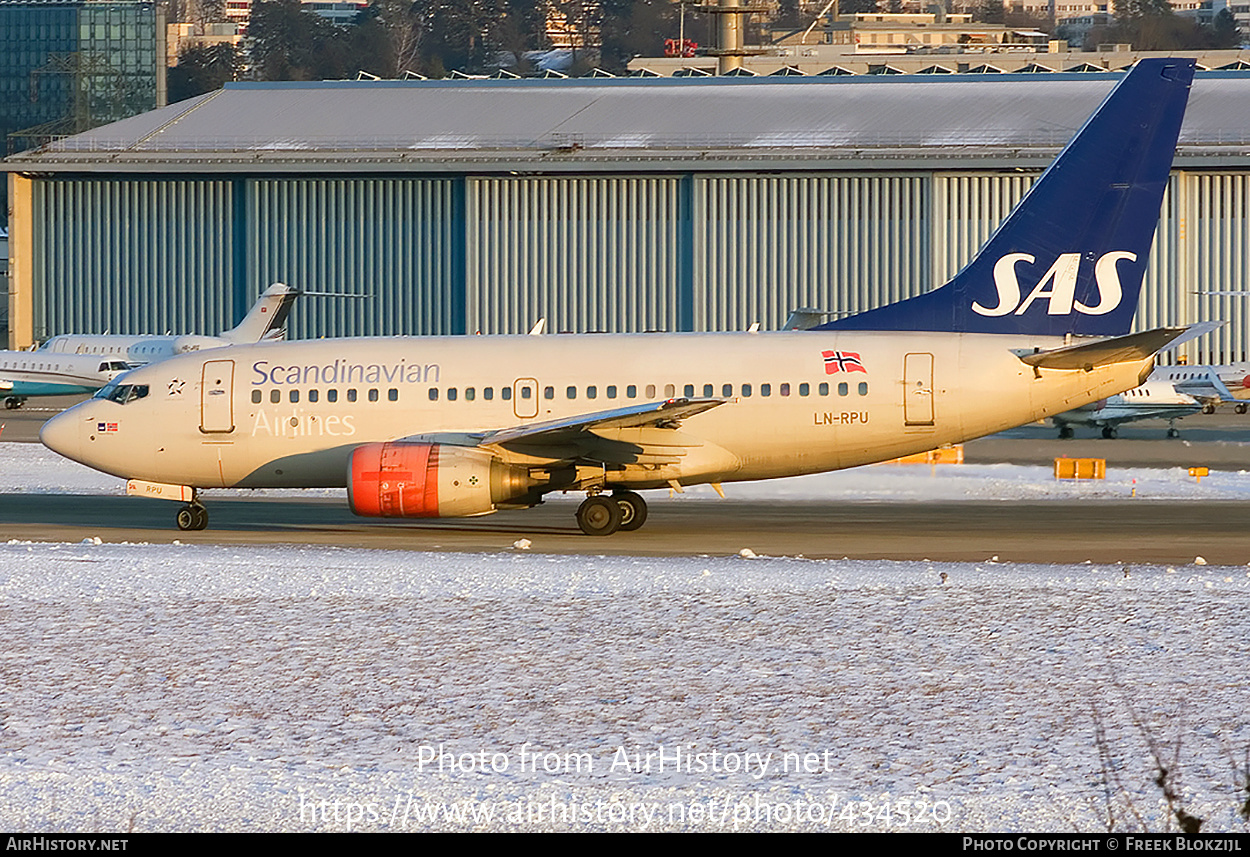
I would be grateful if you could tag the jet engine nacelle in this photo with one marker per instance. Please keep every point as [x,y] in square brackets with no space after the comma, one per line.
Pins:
[407,479]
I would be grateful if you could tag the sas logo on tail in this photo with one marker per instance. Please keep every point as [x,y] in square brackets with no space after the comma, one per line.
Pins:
[1060,297]
[842,361]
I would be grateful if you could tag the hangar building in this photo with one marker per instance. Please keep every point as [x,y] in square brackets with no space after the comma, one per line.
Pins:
[598,204]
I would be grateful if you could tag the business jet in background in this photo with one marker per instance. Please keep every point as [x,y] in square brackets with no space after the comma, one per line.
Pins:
[1211,385]
[1170,393]
[1154,400]
[31,373]
[1035,325]
[77,363]
[265,320]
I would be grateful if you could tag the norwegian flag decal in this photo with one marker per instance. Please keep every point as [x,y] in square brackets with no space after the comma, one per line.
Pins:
[842,361]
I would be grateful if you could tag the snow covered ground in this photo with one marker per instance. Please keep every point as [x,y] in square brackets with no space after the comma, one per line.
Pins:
[177,687]
[35,469]
[187,687]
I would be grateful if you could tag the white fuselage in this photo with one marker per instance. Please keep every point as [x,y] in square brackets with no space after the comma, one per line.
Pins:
[36,373]
[135,350]
[1156,399]
[289,414]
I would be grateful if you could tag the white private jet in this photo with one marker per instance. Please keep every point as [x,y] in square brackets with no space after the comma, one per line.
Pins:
[1170,393]
[31,373]
[1035,325]
[76,363]
[1211,385]
[1154,400]
[264,320]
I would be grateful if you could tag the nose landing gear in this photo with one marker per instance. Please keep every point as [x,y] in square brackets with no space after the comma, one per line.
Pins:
[192,516]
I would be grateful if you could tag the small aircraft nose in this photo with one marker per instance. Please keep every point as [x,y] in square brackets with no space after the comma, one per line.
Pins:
[62,434]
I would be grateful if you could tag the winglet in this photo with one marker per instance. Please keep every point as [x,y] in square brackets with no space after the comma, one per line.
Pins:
[1070,257]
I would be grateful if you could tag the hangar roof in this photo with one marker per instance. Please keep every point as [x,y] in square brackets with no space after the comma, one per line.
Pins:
[634,124]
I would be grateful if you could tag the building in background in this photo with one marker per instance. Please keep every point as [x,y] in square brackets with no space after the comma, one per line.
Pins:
[598,204]
[66,67]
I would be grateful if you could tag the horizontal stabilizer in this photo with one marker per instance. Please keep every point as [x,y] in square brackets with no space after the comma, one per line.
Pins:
[1104,352]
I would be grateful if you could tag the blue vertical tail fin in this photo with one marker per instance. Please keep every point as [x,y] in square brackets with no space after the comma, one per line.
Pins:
[1071,255]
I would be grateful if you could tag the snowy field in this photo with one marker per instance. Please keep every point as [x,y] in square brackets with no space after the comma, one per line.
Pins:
[187,687]
[179,687]
[33,468]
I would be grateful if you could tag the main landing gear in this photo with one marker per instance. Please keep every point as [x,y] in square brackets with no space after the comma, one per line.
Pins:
[192,516]
[603,515]
[13,402]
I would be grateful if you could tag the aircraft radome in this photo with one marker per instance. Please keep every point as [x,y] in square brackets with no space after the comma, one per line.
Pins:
[1036,324]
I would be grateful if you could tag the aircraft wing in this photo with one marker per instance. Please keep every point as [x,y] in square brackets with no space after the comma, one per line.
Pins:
[666,414]
[632,434]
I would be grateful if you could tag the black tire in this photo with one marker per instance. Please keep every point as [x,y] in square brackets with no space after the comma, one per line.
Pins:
[633,510]
[1241,409]
[599,516]
[1065,432]
[192,517]
[1110,433]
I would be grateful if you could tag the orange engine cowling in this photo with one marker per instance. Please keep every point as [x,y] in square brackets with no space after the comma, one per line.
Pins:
[430,480]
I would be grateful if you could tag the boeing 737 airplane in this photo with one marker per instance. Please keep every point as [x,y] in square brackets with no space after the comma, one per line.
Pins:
[72,363]
[264,320]
[1035,325]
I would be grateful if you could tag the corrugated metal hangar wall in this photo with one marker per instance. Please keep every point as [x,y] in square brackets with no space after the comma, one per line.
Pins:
[609,250]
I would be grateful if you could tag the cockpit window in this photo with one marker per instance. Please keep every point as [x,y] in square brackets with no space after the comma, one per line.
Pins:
[122,393]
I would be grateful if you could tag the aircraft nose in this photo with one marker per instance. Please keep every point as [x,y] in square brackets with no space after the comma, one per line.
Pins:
[62,434]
